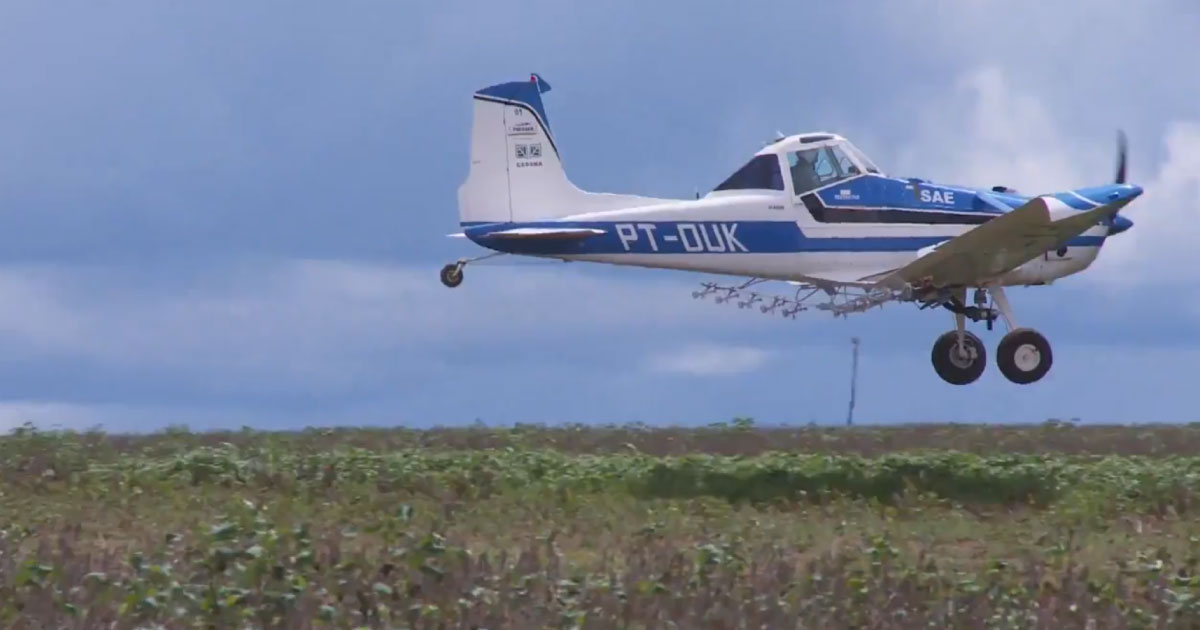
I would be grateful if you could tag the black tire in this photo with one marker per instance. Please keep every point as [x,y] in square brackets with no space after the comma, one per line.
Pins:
[1024,356]
[452,275]
[950,366]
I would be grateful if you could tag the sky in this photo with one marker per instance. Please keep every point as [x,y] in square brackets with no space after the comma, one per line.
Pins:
[228,214]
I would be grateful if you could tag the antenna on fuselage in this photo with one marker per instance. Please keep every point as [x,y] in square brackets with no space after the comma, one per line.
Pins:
[778,136]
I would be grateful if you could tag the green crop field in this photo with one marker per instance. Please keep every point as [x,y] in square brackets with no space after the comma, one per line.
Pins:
[729,526]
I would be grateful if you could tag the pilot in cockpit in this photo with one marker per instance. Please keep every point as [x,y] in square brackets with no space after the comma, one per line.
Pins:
[821,166]
[803,167]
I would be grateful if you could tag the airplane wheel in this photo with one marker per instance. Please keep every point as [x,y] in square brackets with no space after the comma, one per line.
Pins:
[1024,356]
[953,366]
[452,275]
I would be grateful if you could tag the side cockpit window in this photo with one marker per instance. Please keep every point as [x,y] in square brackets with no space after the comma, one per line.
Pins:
[760,173]
[815,168]
[860,157]
[845,164]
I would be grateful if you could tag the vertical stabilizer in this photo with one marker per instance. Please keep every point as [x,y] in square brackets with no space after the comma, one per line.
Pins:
[516,174]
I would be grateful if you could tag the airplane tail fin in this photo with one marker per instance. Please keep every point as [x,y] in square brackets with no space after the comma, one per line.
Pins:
[516,172]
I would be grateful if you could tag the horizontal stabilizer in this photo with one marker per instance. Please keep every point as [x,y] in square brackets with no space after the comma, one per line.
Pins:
[546,233]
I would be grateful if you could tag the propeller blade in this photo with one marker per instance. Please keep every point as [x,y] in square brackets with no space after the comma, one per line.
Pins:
[1122,148]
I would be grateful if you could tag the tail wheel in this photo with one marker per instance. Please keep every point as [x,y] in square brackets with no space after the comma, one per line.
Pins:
[1024,356]
[452,275]
[959,366]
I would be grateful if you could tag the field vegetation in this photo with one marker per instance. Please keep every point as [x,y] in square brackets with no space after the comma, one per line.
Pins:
[726,526]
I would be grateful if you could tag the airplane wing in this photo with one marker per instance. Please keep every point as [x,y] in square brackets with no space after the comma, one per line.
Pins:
[998,246]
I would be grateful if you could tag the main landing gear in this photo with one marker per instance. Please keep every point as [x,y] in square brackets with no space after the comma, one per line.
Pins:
[959,357]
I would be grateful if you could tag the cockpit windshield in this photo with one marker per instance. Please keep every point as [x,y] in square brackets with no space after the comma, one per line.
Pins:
[822,166]
[809,168]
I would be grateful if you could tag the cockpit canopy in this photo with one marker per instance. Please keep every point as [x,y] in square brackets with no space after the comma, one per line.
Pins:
[813,161]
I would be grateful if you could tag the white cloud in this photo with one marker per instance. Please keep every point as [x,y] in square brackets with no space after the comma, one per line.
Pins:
[1042,117]
[1161,247]
[988,131]
[327,322]
[709,360]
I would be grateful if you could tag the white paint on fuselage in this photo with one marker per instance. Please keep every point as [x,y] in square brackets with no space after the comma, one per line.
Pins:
[845,265]
[842,266]
[785,205]
[1050,266]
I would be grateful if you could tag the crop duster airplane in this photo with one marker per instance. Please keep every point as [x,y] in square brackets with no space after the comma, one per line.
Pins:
[810,210]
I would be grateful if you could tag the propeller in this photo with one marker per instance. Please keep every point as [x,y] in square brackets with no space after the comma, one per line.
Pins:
[1122,150]
[1116,222]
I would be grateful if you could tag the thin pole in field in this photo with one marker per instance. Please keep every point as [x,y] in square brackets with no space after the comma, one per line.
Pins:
[853,381]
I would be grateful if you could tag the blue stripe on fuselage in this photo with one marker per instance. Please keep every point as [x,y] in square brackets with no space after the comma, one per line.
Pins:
[700,237]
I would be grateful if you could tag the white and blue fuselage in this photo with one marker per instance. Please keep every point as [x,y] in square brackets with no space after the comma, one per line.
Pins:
[805,206]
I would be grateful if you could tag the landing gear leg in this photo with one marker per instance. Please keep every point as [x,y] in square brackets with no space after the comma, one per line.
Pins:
[452,274]
[1003,306]
[958,356]
[1023,354]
